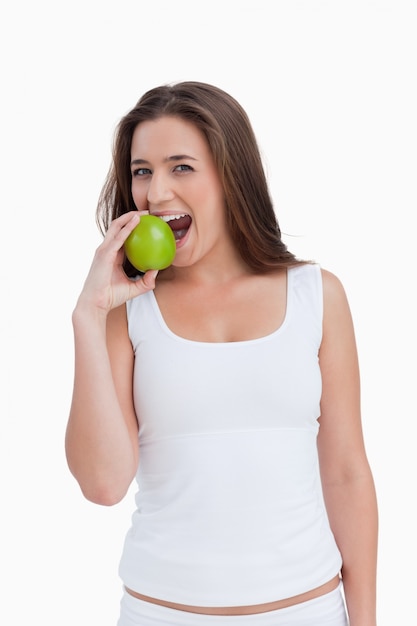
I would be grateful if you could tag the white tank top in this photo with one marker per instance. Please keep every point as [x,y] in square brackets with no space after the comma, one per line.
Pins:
[229,507]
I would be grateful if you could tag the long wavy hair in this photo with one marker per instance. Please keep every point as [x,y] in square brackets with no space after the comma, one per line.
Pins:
[224,123]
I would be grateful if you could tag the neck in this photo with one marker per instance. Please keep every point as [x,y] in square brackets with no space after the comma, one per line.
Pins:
[216,272]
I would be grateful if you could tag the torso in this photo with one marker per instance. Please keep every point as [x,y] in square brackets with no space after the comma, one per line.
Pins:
[248,307]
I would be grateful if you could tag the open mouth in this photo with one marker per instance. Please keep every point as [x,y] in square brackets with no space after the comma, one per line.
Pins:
[179,224]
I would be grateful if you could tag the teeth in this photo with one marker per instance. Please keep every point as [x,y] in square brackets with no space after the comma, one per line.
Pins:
[168,218]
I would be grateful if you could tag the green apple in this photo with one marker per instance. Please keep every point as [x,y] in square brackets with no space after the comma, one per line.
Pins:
[151,244]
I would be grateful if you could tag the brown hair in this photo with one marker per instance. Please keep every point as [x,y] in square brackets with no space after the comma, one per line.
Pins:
[249,210]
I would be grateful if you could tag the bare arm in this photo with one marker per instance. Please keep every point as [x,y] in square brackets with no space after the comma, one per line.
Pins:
[101,438]
[347,479]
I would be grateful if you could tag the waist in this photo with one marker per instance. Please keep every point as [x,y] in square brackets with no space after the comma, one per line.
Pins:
[244,610]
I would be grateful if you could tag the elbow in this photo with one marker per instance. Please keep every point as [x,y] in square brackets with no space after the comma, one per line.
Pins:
[101,489]
[104,486]
[104,494]
[102,498]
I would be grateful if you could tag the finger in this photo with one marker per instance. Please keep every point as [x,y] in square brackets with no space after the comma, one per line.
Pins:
[127,226]
[149,278]
[123,220]
[146,282]
[121,228]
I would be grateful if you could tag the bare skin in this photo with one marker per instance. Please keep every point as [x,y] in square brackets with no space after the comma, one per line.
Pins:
[212,311]
[209,282]
[245,610]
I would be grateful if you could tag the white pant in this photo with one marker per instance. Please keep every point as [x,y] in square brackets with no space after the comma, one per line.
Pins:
[327,610]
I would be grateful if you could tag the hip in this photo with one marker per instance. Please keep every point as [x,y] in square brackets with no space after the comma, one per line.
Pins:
[322,590]
[327,608]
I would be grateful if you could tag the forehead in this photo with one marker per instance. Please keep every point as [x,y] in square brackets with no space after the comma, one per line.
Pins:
[169,135]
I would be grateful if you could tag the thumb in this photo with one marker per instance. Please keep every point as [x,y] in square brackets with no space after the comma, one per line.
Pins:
[149,278]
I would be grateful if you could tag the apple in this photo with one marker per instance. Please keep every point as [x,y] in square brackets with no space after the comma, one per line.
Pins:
[151,244]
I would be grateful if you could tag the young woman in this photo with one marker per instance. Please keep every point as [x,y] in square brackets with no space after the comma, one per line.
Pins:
[228,385]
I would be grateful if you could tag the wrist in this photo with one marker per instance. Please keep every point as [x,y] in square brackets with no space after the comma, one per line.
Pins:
[85,314]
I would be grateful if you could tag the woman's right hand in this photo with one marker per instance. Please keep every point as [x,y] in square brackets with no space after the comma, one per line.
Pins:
[107,285]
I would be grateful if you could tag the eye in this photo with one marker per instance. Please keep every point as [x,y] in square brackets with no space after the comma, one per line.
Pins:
[141,171]
[183,168]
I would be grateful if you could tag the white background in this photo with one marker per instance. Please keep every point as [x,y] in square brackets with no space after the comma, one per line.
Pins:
[330,88]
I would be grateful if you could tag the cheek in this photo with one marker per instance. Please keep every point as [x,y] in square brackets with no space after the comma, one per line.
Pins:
[210,196]
[139,197]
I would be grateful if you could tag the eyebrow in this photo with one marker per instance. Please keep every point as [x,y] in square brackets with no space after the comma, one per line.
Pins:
[174,157]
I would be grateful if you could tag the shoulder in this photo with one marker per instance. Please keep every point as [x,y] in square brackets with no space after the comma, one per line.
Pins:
[337,319]
[334,294]
[332,284]
[328,283]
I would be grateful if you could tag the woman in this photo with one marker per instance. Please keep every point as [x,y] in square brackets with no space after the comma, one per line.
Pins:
[228,385]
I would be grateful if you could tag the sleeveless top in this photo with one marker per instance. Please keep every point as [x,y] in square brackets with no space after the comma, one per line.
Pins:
[229,509]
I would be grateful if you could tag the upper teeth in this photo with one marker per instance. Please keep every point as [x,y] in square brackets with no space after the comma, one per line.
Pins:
[168,218]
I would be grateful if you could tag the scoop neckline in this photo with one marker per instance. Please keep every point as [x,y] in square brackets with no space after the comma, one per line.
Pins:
[245,342]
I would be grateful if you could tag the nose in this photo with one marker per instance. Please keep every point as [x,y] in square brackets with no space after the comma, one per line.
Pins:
[159,189]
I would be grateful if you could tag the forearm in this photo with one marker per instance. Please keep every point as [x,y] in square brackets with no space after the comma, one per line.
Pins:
[353,517]
[99,446]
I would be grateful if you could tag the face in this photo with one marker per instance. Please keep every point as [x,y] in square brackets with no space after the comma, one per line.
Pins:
[175,178]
